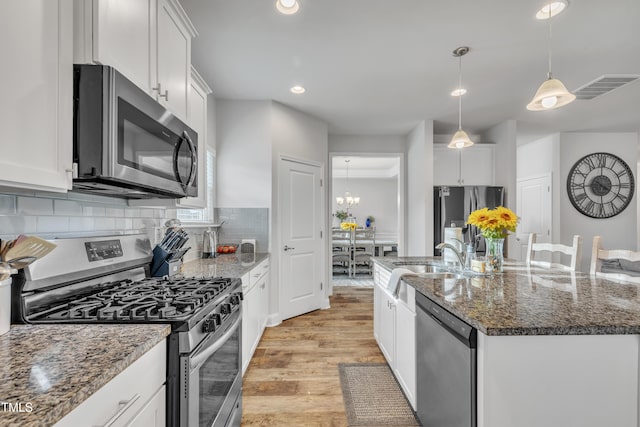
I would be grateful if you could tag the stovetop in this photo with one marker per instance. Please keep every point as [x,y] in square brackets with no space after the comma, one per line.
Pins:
[146,300]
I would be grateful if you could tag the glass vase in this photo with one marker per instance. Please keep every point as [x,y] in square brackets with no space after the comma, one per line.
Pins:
[494,257]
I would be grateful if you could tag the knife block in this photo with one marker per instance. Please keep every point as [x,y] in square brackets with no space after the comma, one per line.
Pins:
[162,263]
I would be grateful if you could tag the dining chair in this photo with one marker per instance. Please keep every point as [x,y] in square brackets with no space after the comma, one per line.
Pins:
[598,255]
[364,240]
[341,249]
[574,251]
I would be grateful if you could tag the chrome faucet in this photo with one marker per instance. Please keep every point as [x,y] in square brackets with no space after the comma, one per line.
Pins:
[455,250]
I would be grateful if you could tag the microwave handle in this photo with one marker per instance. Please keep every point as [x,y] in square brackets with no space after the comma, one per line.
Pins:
[194,159]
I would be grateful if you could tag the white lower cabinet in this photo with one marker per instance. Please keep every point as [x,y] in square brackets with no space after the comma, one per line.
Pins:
[395,330]
[255,309]
[136,397]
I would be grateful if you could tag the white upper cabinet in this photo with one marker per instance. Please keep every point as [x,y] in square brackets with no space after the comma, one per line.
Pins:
[174,33]
[148,41]
[36,112]
[197,120]
[468,166]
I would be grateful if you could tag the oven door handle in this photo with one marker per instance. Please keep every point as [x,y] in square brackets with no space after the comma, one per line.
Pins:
[197,360]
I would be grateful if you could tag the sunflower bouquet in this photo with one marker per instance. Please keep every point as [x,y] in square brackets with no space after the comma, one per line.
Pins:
[494,223]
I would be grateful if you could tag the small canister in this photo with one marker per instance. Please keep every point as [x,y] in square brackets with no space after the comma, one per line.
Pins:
[5,298]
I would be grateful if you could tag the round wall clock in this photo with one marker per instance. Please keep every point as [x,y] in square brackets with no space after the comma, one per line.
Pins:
[600,185]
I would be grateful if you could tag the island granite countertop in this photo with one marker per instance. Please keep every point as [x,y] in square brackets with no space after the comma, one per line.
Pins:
[48,370]
[532,301]
[226,265]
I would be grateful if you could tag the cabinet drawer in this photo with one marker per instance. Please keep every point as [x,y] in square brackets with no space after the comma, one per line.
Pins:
[258,272]
[122,398]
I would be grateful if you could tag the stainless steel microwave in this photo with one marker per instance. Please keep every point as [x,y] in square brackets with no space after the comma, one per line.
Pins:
[125,143]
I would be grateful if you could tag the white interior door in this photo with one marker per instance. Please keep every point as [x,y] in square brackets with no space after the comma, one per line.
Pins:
[300,207]
[534,209]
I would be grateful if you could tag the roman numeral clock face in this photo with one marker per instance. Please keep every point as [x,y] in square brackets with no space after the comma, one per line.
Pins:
[600,185]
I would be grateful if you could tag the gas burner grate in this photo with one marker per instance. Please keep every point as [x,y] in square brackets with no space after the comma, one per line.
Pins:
[144,300]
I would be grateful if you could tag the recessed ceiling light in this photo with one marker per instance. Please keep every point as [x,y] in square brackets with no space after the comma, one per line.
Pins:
[459,92]
[298,90]
[287,7]
[551,9]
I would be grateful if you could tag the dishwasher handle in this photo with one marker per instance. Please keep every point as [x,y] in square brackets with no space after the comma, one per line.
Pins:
[464,332]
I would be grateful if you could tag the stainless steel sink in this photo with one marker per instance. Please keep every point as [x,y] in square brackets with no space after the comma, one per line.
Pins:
[422,268]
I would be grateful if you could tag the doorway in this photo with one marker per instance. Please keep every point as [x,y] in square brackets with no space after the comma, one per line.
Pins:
[375,184]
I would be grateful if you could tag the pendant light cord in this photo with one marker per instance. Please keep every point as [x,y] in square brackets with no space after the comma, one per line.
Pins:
[460,96]
[549,75]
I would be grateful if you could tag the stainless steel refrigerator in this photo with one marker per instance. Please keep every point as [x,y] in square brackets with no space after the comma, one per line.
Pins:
[452,206]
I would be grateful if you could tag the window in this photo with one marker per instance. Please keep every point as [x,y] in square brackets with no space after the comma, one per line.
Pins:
[203,215]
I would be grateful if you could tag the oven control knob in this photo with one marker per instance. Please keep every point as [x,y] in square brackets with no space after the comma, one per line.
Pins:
[225,308]
[209,325]
[235,299]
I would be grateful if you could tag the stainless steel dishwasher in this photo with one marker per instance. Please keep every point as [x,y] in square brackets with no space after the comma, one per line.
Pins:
[446,367]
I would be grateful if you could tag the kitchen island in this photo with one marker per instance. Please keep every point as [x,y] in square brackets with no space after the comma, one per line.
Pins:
[554,348]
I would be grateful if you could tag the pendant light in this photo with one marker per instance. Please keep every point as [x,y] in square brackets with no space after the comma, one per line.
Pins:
[551,93]
[287,7]
[460,138]
[347,198]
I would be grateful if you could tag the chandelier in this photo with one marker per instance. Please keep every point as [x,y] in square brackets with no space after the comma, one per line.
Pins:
[347,199]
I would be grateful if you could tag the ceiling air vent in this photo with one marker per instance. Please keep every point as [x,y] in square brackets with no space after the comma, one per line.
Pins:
[604,84]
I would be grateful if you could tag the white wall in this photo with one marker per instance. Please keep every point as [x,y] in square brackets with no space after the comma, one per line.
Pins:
[299,135]
[541,157]
[620,231]
[243,137]
[420,190]
[378,197]
[367,143]
[505,137]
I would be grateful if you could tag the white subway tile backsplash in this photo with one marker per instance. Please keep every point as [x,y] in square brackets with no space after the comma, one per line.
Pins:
[137,224]
[66,208]
[17,224]
[93,211]
[82,224]
[132,213]
[7,205]
[53,224]
[115,212]
[158,213]
[104,223]
[146,213]
[34,206]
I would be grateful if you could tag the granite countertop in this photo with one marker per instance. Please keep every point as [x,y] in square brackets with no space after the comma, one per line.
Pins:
[228,265]
[53,368]
[533,301]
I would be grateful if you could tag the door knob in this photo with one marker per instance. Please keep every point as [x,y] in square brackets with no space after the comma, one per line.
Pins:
[288,248]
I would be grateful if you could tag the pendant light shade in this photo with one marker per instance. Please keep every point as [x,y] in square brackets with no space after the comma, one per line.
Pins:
[460,138]
[287,7]
[551,93]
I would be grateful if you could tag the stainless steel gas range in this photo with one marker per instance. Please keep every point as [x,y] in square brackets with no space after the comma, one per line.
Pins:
[103,280]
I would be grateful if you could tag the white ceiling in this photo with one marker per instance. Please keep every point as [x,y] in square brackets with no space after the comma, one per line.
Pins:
[381,66]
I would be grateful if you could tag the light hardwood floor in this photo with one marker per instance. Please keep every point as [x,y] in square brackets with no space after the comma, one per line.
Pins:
[293,378]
